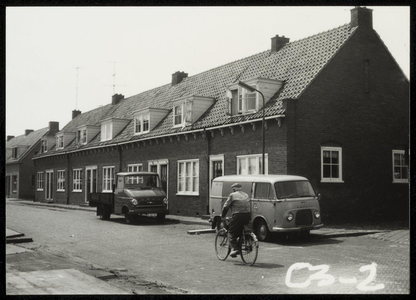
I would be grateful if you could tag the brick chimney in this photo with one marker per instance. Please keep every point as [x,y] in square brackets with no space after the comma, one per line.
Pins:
[362,17]
[53,128]
[178,77]
[116,98]
[28,131]
[9,137]
[75,113]
[278,42]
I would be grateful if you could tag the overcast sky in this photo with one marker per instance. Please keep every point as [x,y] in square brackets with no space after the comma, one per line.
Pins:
[63,58]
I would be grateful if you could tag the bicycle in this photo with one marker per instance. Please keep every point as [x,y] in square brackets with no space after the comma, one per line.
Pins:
[248,244]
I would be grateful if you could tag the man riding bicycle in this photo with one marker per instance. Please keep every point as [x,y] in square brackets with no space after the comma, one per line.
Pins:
[239,202]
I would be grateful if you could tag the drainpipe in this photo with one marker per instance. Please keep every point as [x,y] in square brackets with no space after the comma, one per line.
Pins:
[120,158]
[67,181]
[35,183]
[208,163]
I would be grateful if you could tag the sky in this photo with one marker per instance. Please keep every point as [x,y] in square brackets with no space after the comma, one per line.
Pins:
[63,58]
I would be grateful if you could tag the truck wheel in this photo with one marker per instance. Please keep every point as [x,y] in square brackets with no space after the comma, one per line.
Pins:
[261,230]
[160,218]
[105,213]
[128,218]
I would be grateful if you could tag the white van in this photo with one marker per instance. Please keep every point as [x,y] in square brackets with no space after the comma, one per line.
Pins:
[279,203]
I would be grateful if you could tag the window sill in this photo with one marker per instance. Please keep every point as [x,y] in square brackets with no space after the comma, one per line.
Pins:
[401,181]
[332,181]
[187,194]
[140,133]
[60,190]
[106,191]
[39,190]
[77,191]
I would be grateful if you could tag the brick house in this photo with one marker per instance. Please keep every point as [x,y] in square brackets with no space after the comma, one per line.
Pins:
[336,111]
[20,172]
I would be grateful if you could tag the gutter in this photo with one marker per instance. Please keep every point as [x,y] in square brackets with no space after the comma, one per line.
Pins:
[165,135]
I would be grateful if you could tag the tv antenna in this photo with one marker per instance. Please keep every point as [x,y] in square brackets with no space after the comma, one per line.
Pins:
[76,90]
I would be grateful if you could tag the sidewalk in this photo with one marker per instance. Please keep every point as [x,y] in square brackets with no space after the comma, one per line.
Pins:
[380,232]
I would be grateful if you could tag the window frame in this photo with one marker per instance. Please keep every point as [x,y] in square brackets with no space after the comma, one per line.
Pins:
[339,179]
[77,180]
[15,152]
[402,159]
[258,157]
[44,146]
[82,136]
[182,178]
[39,181]
[15,183]
[108,170]
[60,180]
[139,167]
[106,131]
[144,119]
[181,105]
[59,142]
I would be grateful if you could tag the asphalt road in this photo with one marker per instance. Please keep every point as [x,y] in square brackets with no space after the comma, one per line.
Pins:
[167,256]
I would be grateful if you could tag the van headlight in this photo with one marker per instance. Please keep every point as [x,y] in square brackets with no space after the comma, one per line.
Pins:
[290,217]
[165,200]
[134,201]
[317,214]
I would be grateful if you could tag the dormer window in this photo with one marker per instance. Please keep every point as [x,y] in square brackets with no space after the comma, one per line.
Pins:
[59,142]
[44,146]
[242,101]
[106,131]
[14,152]
[86,133]
[146,119]
[188,109]
[111,127]
[82,136]
[141,123]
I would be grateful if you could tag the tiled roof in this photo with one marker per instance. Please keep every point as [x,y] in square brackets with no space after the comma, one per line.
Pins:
[24,140]
[297,64]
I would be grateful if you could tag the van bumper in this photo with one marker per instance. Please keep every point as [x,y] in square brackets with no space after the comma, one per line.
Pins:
[148,210]
[295,229]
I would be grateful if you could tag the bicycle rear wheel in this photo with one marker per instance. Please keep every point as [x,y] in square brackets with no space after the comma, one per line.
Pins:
[249,249]
[221,245]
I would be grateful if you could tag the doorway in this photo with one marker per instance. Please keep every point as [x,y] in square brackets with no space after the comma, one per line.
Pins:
[161,167]
[49,185]
[90,181]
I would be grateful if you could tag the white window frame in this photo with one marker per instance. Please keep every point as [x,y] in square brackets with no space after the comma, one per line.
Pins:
[106,131]
[39,181]
[77,180]
[132,167]
[108,179]
[402,165]
[15,152]
[60,180]
[326,179]
[183,177]
[44,146]
[181,105]
[59,142]
[258,157]
[82,136]
[15,188]
[142,120]
[213,158]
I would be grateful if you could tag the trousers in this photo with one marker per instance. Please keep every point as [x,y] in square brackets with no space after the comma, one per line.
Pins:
[236,227]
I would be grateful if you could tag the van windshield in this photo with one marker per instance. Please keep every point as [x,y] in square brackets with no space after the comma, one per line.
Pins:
[294,189]
[141,182]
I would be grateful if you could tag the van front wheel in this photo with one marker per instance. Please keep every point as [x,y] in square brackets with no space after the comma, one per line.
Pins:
[261,230]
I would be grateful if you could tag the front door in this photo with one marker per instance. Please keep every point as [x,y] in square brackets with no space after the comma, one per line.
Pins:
[49,185]
[161,167]
[91,181]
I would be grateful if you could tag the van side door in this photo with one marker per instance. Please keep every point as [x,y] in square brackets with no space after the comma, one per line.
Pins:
[263,202]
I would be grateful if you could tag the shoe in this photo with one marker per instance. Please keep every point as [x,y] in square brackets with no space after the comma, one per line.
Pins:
[234,253]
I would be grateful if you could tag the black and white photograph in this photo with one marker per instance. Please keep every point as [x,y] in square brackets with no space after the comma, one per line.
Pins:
[207,150]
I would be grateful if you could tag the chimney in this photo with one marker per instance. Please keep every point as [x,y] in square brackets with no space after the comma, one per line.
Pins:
[9,137]
[75,113]
[53,128]
[27,131]
[178,77]
[362,17]
[116,98]
[278,42]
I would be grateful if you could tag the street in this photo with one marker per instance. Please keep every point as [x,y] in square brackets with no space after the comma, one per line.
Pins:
[164,254]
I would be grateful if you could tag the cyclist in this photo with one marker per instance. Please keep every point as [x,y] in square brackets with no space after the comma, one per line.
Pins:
[239,202]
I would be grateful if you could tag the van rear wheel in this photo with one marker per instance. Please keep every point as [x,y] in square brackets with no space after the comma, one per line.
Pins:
[261,230]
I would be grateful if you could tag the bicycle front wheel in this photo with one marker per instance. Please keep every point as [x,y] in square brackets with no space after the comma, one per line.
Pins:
[221,244]
[249,249]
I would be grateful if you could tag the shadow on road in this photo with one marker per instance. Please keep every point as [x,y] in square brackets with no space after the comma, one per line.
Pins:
[287,240]
[142,221]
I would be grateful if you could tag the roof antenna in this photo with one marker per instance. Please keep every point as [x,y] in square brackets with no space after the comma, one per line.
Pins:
[76,95]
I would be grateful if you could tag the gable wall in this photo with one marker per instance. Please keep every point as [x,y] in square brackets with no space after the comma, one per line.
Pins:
[367,125]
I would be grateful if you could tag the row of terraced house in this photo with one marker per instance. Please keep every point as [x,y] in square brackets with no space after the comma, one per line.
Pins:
[336,111]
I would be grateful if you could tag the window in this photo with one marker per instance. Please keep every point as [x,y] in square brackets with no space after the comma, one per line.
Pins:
[61,180]
[141,123]
[108,179]
[177,115]
[44,146]
[331,164]
[188,177]
[60,142]
[135,168]
[77,180]
[39,182]
[14,183]
[262,191]
[14,152]
[400,167]
[243,101]
[294,189]
[251,164]
[82,136]
[106,131]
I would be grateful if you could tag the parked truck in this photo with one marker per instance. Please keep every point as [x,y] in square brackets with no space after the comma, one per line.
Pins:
[134,194]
